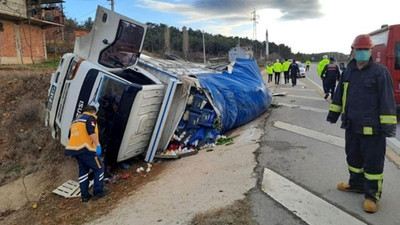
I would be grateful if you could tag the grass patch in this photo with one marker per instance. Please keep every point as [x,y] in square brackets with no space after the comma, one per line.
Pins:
[49,64]
[237,213]
[16,169]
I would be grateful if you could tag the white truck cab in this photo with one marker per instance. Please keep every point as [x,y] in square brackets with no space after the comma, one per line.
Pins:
[102,71]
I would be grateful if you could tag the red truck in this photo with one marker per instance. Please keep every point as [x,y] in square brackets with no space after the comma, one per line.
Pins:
[387,52]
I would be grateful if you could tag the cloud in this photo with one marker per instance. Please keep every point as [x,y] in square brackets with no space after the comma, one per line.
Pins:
[201,10]
[224,16]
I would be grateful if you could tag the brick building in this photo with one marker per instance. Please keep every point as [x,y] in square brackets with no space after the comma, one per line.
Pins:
[22,30]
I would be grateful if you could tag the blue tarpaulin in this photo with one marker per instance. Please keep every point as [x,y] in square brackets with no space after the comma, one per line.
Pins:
[240,96]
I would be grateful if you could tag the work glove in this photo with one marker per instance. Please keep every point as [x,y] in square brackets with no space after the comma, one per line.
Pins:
[98,150]
[388,130]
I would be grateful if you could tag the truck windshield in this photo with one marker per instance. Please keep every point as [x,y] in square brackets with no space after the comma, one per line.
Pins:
[111,91]
[123,52]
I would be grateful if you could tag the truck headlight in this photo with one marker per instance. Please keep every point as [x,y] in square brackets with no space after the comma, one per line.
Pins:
[73,67]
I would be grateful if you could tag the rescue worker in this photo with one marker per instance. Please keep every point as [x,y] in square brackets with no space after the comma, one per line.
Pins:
[308,63]
[270,71]
[365,99]
[285,67]
[277,67]
[322,64]
[330,74]
[84,145]
[294,70]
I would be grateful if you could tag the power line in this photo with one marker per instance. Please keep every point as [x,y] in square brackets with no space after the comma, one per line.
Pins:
[255,21]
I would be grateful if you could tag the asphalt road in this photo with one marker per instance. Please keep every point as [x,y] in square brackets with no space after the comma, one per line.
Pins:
[301,160]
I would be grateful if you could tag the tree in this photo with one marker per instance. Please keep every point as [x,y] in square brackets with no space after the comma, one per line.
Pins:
[87,24]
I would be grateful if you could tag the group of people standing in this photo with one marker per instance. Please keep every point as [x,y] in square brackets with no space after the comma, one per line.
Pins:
[289,68]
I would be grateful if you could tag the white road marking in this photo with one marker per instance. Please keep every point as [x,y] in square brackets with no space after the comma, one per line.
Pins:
[330,139]
[309,207]
[298,89]
[303,107]
[394,144]
[306,97]
[311,133]
[315,83]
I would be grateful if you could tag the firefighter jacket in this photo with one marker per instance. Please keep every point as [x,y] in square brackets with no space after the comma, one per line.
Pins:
[80,141]
[331,71]
[269,69]
[277,67]
[365,99]
[321,65]
[285,66]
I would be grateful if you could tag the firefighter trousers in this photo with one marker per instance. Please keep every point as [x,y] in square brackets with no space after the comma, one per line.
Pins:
[365,159]
[85,163]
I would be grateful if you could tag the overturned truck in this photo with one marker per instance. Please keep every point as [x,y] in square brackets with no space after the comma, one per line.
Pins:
[148,106]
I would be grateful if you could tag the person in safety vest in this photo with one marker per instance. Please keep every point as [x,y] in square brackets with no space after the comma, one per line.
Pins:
[277,67]
[84,145]
[270,71]
[285,67]
[308,63]
[322,64]
[330,74]
[365,99]
[294,70]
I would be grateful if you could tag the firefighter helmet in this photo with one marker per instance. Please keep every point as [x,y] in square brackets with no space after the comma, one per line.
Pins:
[362,41]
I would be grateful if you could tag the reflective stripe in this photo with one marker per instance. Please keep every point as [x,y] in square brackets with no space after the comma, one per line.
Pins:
[356,170]
[379,191]
[84,176]
[367,130]
[335,108]
[369,176]
[388,119]
[81,181]
[344,96]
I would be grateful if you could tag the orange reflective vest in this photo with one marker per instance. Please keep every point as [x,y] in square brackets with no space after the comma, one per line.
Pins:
[80,139]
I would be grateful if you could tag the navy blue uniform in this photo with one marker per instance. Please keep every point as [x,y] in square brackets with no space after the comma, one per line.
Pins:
[85,125]
[330,74]
[365,100]
[293,71]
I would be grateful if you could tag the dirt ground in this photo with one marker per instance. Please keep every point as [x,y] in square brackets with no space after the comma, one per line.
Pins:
[26,148]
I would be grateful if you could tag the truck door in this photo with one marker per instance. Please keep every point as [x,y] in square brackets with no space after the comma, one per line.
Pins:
[115,41]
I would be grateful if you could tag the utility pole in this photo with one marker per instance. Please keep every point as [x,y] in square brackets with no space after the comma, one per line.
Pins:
[112,4]
[254,19]
[204,49]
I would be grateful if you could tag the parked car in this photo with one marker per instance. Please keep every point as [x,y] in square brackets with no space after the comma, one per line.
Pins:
[302,69]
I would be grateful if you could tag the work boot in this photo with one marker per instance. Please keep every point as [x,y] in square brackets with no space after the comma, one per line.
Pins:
[346,188]
[101,194]
[326,96]
[86,199]
[370,206]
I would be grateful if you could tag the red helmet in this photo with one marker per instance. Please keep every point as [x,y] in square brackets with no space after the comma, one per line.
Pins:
[362,41]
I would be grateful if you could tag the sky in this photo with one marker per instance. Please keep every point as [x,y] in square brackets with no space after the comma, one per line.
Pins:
[307,26]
